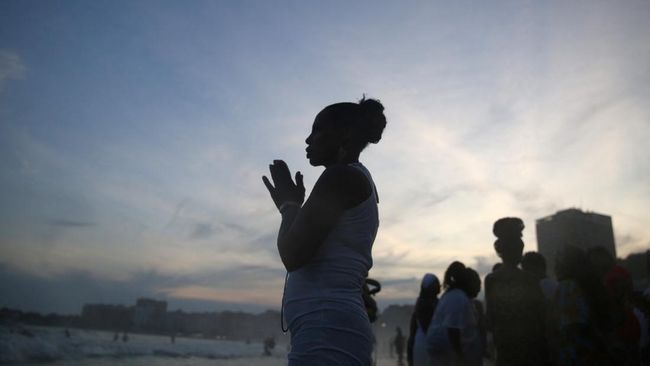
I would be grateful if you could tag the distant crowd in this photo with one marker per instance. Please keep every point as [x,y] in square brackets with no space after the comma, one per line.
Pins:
[590,315]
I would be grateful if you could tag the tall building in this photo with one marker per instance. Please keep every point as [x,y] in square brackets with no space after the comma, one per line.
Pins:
[573,227]
[149,314]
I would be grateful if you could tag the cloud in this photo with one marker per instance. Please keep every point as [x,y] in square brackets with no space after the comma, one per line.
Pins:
[203,231]
[11,67]
[517,119]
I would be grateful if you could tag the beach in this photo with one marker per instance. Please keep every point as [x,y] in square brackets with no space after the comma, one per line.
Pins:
[31,345]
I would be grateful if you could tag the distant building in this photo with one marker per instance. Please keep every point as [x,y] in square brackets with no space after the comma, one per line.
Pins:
[573,227]
[149,314]
[104,316]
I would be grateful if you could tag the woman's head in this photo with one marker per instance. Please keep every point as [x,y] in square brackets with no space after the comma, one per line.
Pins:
[455,276]
[430,286]
[509,245]
[342,130]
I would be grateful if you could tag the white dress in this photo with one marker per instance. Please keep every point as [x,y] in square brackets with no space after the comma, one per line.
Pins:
[323,304]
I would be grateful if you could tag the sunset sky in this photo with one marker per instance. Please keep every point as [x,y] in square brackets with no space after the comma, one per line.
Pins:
[134,134]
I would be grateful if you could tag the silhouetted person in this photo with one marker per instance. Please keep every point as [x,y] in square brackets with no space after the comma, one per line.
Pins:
[641,305]
[453,331]
[583,311]
[619,286]
[269,345]
[399,342]
[535,264]
[116,336]
[514,302]
[67,333]
[125,337]
[325,244]
[425,305]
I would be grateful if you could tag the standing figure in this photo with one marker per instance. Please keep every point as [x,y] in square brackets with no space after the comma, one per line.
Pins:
[325,244]
[399,342]
[425,305]
[583,312]
[269,345]
[535,264]
[453,331]
[514,301]
[624,345]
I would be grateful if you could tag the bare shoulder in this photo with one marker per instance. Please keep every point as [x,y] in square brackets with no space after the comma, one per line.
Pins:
[346,183]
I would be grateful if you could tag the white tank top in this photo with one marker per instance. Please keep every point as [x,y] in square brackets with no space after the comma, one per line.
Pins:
[334,277]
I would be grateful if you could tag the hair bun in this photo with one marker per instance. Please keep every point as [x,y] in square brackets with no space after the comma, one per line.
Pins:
[508,228]
[373,119]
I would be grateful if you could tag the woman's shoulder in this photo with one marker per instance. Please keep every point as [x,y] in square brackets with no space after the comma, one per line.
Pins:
[348,181]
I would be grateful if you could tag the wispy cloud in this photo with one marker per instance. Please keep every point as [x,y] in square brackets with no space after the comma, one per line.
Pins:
[11,67]
[203,231]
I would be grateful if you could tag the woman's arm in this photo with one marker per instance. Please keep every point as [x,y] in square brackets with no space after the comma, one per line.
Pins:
[303,229]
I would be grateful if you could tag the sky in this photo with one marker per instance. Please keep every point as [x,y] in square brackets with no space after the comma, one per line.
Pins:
[134,135]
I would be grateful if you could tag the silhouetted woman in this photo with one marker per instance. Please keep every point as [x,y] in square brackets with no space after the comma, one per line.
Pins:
[425,305]
[453,331]
[514,301]
[325,243]
[624,342]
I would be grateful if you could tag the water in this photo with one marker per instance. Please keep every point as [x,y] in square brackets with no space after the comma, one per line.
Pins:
[89,347]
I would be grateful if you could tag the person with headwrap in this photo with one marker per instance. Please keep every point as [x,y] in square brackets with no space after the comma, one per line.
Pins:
[514,301]
[425,305]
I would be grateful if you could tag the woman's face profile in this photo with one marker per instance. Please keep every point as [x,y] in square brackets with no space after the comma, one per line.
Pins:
[324,142]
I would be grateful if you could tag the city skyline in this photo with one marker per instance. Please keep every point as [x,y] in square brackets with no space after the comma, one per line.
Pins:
[135,135]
